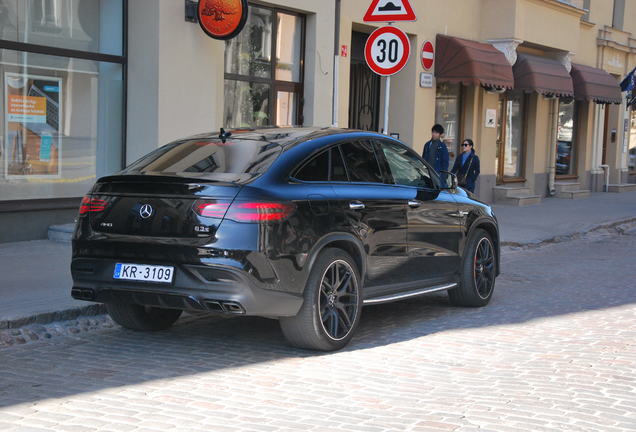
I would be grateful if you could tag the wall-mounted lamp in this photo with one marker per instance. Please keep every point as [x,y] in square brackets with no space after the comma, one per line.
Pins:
[191,11]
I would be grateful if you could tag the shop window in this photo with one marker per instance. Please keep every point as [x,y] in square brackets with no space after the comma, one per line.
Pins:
[84,25]
[62,125]
[565,157]
[447,113]
[62,115]
[263,70]
[511,136]
[631,155]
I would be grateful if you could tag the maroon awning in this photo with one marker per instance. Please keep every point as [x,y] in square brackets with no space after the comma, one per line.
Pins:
[593,84]
[542,75]
[471,63]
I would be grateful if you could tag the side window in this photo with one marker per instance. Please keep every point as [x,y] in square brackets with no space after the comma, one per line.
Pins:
[362,164]
[317,169]
[406,169]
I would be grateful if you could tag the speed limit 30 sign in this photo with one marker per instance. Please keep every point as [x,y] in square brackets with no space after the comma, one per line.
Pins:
[387,50]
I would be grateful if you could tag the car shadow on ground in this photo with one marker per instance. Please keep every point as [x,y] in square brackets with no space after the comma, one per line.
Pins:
[536,284]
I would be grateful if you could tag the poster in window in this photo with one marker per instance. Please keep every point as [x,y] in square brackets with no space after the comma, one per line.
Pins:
[32,126]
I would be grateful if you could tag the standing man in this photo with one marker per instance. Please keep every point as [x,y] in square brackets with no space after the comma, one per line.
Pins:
[435,151]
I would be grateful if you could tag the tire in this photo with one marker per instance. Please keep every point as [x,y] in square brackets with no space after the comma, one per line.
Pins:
[144,318]
[478,272]
[328,317]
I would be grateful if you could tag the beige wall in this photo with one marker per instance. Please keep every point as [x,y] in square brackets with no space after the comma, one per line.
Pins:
[176,72]
[175,75]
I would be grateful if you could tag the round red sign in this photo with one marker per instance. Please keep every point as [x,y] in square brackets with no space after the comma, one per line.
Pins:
[387,50]
[222,19]
[428,55]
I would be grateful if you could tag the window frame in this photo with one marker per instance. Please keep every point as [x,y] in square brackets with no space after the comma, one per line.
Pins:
[277,85]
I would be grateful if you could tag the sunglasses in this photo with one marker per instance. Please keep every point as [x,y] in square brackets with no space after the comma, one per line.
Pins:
[466,145]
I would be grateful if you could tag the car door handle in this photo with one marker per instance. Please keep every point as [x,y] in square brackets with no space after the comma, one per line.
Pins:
[415,203]
[460,213]
[356,205]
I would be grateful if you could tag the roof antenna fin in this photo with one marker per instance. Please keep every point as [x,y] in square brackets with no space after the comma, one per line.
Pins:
[223,136]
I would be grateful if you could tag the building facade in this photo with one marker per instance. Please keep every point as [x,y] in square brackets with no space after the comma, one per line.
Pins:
[91,85]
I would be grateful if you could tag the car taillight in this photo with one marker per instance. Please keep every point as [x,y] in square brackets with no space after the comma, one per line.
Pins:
[90,205]
[259,211]
[245,211]
[211,209]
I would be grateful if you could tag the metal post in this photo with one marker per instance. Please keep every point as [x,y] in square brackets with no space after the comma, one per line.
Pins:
[387,98]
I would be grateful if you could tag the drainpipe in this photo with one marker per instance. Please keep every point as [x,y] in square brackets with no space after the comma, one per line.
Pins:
[551,147]
[606,169]
[336,66]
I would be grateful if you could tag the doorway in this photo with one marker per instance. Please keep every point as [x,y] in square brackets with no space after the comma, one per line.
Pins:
[510,137]
[364,88]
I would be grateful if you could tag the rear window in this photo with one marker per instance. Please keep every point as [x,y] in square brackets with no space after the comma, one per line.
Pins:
[198,156]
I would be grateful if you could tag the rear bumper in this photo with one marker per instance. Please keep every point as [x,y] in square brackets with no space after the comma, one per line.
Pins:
[218,289]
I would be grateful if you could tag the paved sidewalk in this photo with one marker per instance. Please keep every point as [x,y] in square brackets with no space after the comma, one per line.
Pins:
[556,219]
[36,282]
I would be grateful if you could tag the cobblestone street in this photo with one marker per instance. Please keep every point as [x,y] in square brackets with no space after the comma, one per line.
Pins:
[555,350]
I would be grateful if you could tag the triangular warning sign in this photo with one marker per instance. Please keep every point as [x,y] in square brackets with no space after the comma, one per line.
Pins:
[390,11]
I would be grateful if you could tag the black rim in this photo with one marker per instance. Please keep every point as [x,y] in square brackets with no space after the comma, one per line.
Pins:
[338,300]
[484,268]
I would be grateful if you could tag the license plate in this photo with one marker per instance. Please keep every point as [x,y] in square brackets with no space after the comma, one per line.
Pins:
[146,273]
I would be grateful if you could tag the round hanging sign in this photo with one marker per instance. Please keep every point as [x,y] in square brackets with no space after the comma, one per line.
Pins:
[222,19]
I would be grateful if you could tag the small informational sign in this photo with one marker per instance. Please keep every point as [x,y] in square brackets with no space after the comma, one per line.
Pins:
[428,55]
[222,19]
[491,118]
[32,138]
[344,51]
[26,109]
[387,50]
[390,11]
[426,80]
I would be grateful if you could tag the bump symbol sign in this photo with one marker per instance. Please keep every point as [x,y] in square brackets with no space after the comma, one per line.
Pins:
[390,11]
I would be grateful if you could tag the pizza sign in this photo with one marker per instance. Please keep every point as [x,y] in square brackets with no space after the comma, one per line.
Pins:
[222,19]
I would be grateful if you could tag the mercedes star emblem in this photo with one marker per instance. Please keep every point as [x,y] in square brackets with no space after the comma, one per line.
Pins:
[145,211]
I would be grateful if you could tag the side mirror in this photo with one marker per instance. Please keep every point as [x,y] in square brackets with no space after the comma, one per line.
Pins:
[448,180]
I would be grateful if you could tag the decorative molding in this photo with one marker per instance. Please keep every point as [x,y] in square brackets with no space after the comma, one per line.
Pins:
[508,47]
[566,60]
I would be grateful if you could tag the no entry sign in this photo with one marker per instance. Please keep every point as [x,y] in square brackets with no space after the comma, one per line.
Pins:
[387,50]
[428,55]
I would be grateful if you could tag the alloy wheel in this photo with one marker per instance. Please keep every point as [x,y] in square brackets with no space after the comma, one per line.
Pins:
[484,268]
[338,299]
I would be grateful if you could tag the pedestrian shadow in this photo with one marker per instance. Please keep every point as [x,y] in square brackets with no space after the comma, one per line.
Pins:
[533,286]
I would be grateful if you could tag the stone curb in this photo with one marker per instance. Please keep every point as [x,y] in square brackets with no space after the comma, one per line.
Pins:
[615,225]
[49,317]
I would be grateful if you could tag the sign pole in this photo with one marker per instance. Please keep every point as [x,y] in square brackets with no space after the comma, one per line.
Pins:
[387,99]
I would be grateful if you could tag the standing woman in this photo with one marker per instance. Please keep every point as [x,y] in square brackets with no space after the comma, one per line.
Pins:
[466,166]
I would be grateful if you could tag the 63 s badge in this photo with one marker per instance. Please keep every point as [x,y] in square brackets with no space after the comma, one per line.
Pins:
[222,19]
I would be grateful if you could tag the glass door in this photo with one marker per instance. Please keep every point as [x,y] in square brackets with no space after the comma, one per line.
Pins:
[565,165]
[510,137]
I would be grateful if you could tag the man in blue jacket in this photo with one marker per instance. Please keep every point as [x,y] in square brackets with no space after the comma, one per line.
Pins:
[435,151]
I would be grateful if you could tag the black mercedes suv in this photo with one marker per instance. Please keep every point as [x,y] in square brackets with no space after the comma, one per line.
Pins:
[303,225]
